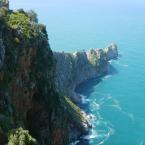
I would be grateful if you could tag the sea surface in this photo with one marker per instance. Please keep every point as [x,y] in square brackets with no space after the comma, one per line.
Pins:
[116,102]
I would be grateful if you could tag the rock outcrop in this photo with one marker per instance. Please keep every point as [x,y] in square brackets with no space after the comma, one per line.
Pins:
[74,68]
[4,3]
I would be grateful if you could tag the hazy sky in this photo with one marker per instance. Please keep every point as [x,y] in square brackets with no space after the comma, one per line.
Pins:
[60,16]
[65,6]
[62,3]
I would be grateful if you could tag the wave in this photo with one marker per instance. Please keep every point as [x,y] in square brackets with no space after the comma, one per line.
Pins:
[107,77]
[93,134]
[101,129]
[74,143]
[96,105]
[104,100]
[116,104]
[100,135]
[84,99]
[111,132]
[121,64]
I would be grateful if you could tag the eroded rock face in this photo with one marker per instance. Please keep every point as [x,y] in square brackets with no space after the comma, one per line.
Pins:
[75,68]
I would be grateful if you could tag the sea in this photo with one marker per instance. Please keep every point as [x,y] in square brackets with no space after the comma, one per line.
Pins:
[115,102]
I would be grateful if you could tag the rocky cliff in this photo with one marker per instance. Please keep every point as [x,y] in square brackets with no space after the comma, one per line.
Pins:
[29,102]
[74,68]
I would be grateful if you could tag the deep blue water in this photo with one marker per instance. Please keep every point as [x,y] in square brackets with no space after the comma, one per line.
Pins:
[117,101]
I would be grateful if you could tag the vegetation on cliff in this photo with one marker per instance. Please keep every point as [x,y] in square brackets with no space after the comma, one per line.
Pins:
[20,137]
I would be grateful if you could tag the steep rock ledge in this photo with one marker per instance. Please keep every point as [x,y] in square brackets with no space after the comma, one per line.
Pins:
[74,68]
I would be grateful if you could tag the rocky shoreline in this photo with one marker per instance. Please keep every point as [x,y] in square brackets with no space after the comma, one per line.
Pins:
[72,69]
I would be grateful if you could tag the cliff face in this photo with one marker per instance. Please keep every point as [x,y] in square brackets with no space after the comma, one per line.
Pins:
[75,68]
[28,98]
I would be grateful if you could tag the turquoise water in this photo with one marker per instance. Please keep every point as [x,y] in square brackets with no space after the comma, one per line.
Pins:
[117,101]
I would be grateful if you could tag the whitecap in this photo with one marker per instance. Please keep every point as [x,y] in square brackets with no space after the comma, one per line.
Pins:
[84,99]
[104,100]
[96,105]
[107,77]
[121,64]
[92,117]
[114,106]
[92,135]
[106,136]
[74,143]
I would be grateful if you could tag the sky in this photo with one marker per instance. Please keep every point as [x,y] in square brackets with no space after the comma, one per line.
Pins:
[57,7]
[60,16]
[31,4]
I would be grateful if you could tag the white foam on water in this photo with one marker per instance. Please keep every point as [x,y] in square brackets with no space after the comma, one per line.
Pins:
[116,104]
[92,117]
[74,143]
[121,64]
[84,99]
[101,129]
[107,77]
[106,136]
[104,100]
[96,105]
[92,135]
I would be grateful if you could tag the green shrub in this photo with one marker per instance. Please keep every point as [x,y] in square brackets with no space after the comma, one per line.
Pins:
[20,137]
[21,22]
[73,110]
